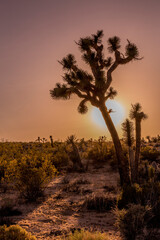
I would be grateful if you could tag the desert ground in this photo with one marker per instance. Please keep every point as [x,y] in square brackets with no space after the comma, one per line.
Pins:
[62,208]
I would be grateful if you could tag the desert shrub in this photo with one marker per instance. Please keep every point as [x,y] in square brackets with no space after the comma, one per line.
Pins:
[59,156]
[148,172]
[148,194]
[129,194]
[98,153]
[101,152]
[2,168]
[131,222]
[99,203]
[151,196]
[149,153]
[82,145]
[15,232]
[86,235]
[31,174]
[4,163]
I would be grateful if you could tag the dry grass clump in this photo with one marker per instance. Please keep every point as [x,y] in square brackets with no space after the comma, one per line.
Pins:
[82,181]
[86,235]
[99,203]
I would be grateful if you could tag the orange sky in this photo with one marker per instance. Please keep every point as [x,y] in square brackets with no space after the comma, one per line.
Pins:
[35,34]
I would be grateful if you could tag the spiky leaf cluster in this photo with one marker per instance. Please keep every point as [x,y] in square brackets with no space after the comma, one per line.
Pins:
[132,50]
[60,92]
[136,112]
[68,62]
[82,108]
[113,44]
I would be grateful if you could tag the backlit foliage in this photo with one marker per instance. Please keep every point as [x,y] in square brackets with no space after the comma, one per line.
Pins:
[15,232]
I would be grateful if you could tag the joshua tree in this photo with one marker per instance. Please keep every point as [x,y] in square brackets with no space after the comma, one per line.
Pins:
[38,140]
[127,127]
[74,154]
[44,140]
[51,138]
[96,87]
[137,114]
[148,138]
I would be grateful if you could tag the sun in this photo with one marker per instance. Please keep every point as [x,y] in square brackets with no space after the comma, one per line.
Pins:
[117,114]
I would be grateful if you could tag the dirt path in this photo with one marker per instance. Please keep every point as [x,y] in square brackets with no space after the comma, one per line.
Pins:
[63,209]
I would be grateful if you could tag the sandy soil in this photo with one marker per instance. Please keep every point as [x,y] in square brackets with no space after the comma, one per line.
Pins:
[62,209]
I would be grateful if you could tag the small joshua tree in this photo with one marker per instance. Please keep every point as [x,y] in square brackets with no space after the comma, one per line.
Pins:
[137,114]
[96,87]
[74,154]
[127,128]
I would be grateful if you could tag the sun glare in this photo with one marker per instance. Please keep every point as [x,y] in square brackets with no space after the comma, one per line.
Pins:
[117,114]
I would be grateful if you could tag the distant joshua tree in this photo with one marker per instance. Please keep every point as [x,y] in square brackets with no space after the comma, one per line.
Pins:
[41,140]
[96,87]
[38,140]
[148,138]
[51,138]
[137,114]
[74,154]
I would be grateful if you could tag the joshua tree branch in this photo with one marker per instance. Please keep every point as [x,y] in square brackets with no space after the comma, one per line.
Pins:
[92,100]
[79,94]
[109,74]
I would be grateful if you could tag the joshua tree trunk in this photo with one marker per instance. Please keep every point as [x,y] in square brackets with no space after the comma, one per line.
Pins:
[132,164]
[123,165]
[51,141]
[138,146]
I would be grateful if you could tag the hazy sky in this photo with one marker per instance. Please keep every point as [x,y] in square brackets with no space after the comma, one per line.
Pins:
[34,34]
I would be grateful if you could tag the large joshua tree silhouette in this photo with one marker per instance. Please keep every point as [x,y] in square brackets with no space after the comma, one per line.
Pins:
[96,87]
[137,114]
